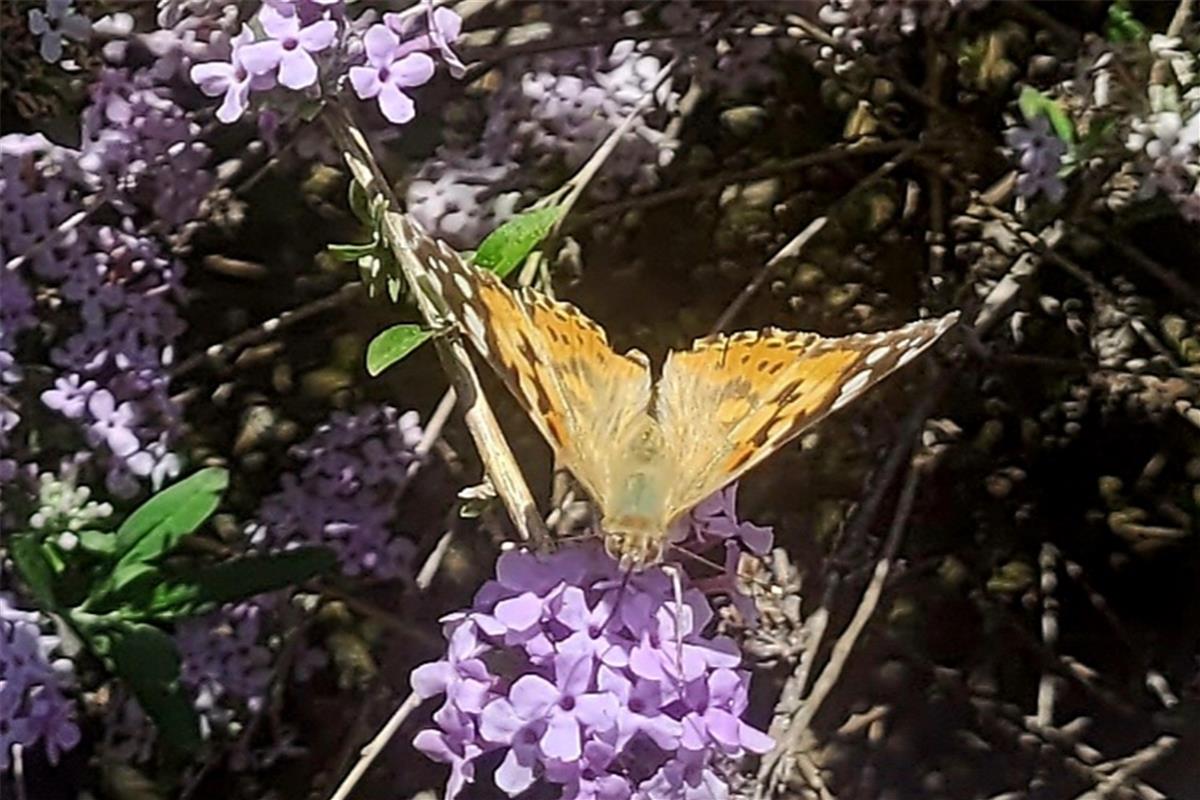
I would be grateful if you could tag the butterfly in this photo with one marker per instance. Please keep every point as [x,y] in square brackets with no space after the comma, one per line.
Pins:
[647,452]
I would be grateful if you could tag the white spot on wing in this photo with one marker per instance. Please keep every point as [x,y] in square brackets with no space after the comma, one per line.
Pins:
[851,388]
[464,285]
[474,324]
[876,355]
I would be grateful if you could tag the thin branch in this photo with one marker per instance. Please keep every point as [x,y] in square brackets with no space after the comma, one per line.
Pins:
[222,351]
[720,181]
[827,680]
[373,748]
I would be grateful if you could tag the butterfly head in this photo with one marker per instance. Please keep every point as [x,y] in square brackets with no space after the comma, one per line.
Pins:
[636,542]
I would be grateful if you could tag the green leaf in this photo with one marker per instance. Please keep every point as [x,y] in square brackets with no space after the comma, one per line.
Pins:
[159,524]
[507,246]
[351,252]
[1121,25]
[146,659]
[193,593]
[1034,104]
[35,569]
[99,543]
[394,344]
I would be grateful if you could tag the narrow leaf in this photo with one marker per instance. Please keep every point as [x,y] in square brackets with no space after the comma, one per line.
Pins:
[146,659]
[35,569]
[506,247]
[157,525]
[392,345]
[193,593]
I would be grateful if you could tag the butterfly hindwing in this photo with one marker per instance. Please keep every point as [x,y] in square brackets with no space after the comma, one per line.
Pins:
[732,401]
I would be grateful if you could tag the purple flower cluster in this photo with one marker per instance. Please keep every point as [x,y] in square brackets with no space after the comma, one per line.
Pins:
[1040,156]
[33,705]
[141,149]
[110,291]
[571,672]
[302,41]
[353,469]
[550,113]
[1166,143]
[225,661]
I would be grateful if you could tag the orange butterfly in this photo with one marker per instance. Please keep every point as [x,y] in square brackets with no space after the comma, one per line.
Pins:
[646,451]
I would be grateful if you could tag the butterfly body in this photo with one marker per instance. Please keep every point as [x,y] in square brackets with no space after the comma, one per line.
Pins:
[647,452]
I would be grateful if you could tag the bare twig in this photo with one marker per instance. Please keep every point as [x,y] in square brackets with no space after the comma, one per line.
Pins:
[222,351]
[373,748]
[830,674]
[1130,767]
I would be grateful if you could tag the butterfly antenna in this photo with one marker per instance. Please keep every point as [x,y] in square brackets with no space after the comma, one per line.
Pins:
[699,559]
[677,591]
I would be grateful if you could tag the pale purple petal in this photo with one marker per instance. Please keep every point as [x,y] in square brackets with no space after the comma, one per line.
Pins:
[261,57]
[395,104]
[561,739]
[380,44]
[297,70]
[318,36]
[415,69]
[532,695]
[365,81]
[513,777]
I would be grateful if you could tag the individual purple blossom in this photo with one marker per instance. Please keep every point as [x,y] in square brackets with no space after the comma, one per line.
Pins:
[58,20]
[69,396]
[291,46]
[391,68]
[558,710]
[156,462]
[112,423]
[1040,156]
[235,79]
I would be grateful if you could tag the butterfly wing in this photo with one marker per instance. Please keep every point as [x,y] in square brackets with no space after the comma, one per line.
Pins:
[732,401]
[556,361]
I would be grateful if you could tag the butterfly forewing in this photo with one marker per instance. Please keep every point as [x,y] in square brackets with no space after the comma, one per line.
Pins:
[556,362]
[732,401]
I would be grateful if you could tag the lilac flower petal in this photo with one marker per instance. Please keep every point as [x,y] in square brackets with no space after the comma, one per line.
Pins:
[532,695]
[415,69]
[380,44]
[318,36]
[365,81]
[513,777]
[297,70]
[561,739]
[395,104]
[261,57]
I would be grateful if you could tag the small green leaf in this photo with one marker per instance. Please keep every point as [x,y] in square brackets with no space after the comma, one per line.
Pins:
[1121,25]
[1034,104]
[35,569]
[146,659]
[99,543]
[394,344]
[189,594]
[158,525]
[351,252]
[506,247]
